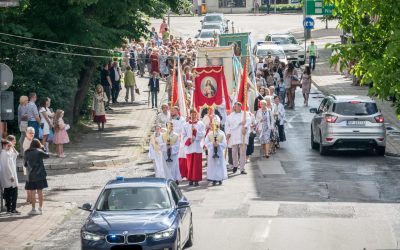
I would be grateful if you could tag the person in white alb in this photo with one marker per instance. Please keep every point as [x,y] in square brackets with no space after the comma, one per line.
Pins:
[216,143]
[237,130]
[170,148]
[164,116]
[193,133]
[155,153]
[178,125]
[209,118]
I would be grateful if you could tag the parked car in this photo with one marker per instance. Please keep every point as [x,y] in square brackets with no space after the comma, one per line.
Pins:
[207,35]
[263,49]
[138,213]
[293,50]
[346,121]
[213,26]
[216,18]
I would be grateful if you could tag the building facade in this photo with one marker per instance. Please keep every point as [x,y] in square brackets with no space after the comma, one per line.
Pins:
[237,6]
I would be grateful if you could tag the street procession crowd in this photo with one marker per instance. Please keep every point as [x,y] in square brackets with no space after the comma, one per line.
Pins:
[179,142]
[225,137]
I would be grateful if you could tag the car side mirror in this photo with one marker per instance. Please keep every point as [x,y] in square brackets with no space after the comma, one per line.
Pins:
[86,207]
[183,203]
[198,30]
[314,110]
[201,21]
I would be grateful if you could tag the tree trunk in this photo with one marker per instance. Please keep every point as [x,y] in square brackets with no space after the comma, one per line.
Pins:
[83,86]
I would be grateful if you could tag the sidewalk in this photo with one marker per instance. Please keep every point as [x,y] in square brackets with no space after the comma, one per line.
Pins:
[331,82]
[90,162]
[125,130]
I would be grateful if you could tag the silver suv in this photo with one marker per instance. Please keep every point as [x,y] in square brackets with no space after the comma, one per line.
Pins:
[346,121]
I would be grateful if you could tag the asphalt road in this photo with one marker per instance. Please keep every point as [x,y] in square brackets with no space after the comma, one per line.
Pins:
[297,199]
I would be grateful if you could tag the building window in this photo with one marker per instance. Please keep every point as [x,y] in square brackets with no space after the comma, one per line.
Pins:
[232,3]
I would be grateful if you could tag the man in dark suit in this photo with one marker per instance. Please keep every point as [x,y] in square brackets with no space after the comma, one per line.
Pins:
[154,87]
[115,75]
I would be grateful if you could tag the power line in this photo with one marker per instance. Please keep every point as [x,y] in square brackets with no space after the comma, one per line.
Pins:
[54,51]
[47,41]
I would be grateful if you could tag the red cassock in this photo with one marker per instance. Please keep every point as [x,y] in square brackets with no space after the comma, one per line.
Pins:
[183,167]
[193,149]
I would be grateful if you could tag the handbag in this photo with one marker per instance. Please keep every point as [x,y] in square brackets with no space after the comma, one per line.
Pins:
[50,137]
[295,81]
[23,125]
[137,91]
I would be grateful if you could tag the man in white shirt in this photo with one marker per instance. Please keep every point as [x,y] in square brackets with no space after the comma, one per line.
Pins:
[164,116]
[237,130]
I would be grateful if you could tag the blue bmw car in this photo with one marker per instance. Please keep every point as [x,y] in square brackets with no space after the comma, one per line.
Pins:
[138,214]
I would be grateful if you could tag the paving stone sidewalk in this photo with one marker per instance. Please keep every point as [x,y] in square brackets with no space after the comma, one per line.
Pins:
[125,130]
[91,161]
[331,82]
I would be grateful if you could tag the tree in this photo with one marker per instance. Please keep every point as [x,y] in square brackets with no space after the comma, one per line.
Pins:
[90,23]
[375,46]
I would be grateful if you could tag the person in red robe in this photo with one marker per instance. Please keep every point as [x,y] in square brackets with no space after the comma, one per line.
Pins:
[194,131]
[154,61]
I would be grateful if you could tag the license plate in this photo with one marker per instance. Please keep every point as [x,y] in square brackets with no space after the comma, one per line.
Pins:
[356,123]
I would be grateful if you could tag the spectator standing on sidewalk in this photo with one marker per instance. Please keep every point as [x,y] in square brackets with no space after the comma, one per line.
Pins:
[60,135]
[8,174]
[22,120]
[36,174]
[130,84]
[154,88]
[33,114]
[107,84]
[99,112]
[46,121]
[115,74]
[313,54]
[306,84]
[141,61]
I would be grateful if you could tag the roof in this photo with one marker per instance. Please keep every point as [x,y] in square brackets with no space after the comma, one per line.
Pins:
[269,46]
[214,14]
[344,98]
[135,182]
[281,35]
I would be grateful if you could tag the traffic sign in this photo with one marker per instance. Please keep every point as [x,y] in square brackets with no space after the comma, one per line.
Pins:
[7,105]
[6,77]
[308,23]
[317,8]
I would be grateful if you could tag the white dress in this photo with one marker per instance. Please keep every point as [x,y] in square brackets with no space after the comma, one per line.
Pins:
[216,167]
[179,123]
[155,154]
[46,126]
[172,167]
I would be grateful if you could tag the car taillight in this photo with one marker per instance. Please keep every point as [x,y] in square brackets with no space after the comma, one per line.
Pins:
[330,118]
[379,119]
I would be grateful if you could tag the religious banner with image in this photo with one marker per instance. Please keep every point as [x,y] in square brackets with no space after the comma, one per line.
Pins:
[210,87]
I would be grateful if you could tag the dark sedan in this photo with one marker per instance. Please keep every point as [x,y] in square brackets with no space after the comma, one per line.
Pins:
[139,214]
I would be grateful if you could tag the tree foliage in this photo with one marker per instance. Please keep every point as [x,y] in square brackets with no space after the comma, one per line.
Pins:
[96,23]
[375,47]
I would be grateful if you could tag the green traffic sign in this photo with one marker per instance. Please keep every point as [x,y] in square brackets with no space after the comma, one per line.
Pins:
[317,7]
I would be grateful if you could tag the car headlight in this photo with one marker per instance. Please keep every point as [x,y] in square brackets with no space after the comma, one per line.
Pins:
[91,236]
[163,234]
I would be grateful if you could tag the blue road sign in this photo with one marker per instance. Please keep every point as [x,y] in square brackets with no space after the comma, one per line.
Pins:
[308,23]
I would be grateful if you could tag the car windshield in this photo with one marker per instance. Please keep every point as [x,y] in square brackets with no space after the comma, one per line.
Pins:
[212,19]
[284,40]
[211,26]
[134,198]
[207,34]
[274,53]
[355,108]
